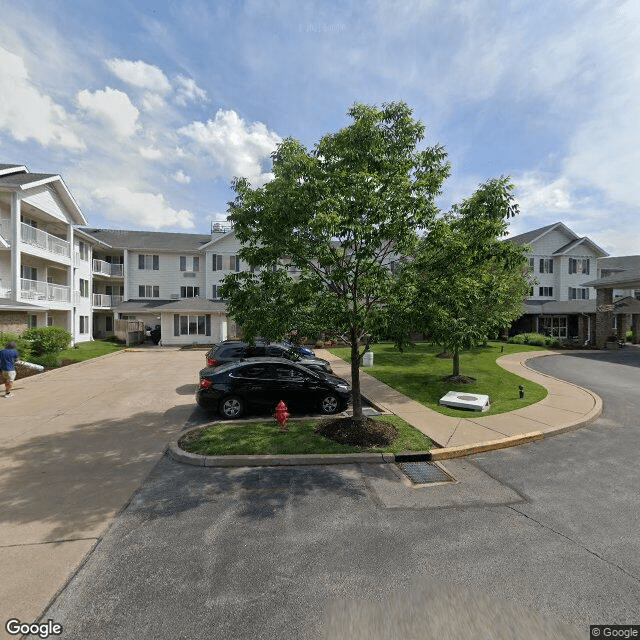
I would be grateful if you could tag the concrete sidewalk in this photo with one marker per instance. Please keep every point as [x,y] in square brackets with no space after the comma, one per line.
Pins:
[566,407]
[77,443]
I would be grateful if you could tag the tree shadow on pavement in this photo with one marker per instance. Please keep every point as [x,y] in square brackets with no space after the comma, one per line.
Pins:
[628,356]
[67,485]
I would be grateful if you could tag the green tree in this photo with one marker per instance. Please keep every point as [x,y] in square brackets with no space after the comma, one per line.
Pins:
[466,282]
[327,226]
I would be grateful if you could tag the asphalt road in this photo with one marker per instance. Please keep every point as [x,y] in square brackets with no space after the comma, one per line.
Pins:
[539,541]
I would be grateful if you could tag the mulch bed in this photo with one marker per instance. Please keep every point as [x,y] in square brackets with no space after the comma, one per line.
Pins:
[364,433]
[459,379]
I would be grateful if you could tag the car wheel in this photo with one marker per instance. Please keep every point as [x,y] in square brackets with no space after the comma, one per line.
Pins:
[232,407]
[329,404]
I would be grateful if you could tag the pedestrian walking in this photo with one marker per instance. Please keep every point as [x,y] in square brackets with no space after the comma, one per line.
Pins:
[8,358]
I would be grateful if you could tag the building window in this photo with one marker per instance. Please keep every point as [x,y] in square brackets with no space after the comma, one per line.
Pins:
[217,262]
[28,273]
[32,321]
[578,293]
[84,288]
[185,261]
[532,263]
[234,263]
[553,326]
[148,291]
[83,249]
[189,292]
[215,293]
[579,265]
[545,291]
[49,321]
[191,325]
[546,265]
[531,292]
[84,324]
[108,323]
[150,262]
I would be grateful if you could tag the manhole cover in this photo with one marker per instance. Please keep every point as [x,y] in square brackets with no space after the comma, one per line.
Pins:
[424,472]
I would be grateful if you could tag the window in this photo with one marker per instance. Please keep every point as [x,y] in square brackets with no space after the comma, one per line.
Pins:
[217,262]
[546,265]
[84,324]
[234,263]
[194,261]
[553,326]
[578,293]
[49,321]
[108,324]
[32,322]
[83,248]
[532,263]
[579,265]
[545,291]
[84,288]
[149,262]
[189,292]
[148,291]
[216,292]
[531,292]
[29,273]
[191,325]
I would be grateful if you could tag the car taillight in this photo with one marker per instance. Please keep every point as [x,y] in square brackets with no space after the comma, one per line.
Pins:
[205,384]
[211,362]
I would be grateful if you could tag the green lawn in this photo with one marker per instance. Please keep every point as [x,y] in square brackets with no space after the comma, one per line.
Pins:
[88,350]
[264,437]
[417,373]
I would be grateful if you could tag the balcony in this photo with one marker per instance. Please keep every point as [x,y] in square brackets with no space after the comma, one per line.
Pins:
[100,267]
[5,229]
[36,290]
[105,301]
[45,241]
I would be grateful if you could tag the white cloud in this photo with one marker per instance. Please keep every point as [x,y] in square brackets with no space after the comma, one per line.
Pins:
[111,106]
[27,113]
[141,209]
[150,153]
[152,101]
[537,195]
[139,74]
[189,91]
[235,148]
[181,177]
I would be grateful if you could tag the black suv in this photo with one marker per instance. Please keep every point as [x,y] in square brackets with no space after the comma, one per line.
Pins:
[234,350]
[263,382]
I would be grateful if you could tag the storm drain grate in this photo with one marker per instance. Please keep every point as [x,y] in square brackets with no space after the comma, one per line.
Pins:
[424,472]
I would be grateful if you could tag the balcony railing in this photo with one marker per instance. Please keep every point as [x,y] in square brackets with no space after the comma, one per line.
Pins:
[38,290]
[43,240]
[107,269]
[5,228]
[106,301]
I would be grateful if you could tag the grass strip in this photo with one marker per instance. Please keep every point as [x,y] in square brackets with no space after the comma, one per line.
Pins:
[265,438]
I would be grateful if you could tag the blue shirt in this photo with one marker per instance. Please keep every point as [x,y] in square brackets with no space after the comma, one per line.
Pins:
[7,359]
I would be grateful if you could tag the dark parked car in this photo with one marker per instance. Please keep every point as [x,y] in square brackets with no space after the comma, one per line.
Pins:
[305,352]
[234,350]
[263,382]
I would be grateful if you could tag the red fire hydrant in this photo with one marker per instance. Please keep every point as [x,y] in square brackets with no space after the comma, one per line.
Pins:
[281,415]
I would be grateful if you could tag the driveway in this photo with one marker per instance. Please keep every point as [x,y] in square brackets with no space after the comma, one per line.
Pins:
[538,541]
[77,442]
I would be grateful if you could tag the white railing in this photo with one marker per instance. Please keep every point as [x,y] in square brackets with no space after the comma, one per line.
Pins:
[38,290]
[5,228]
[43,240]
[107,269]
[104,300]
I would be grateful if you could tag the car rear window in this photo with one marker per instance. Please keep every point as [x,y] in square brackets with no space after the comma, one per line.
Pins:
[232,352]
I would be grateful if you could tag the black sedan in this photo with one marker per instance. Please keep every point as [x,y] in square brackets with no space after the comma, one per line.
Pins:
[263,382]
[234,350]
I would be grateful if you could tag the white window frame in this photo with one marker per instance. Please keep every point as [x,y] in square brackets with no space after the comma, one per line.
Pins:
[148,291]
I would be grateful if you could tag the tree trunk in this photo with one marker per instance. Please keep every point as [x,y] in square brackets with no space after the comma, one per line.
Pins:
[456,362]
[355,375]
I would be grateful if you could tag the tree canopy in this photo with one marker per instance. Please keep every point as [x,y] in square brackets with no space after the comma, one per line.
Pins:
[326,228]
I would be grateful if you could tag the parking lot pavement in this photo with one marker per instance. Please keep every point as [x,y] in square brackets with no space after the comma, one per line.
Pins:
[78,441]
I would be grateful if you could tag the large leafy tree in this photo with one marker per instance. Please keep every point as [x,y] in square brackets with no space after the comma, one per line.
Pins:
[327,226]
[466,283]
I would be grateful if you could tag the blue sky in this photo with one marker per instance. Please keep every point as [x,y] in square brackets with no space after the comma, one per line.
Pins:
[148,110]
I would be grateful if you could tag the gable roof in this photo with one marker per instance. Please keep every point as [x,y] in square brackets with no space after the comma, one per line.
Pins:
[15,177]
[149,240]
[535,234]
[578,241]
[182,305]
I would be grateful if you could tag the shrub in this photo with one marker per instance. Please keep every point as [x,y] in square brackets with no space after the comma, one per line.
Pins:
[535,339]
[23,346]
[49,360]
[552,341]
[47,339]
[519,339]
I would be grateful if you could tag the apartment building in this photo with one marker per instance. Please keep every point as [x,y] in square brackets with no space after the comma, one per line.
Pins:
[45,261]
[560,303]
[170,280]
